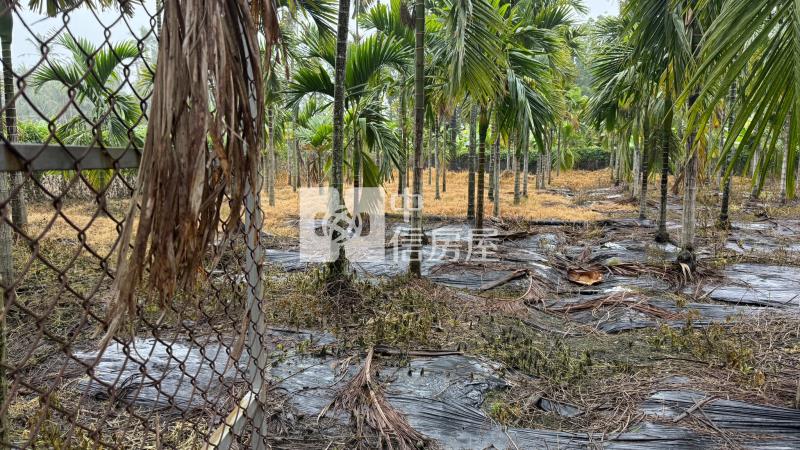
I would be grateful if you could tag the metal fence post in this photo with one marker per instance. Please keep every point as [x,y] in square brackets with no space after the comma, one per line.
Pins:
[251,407]
[255,348]
[7,290]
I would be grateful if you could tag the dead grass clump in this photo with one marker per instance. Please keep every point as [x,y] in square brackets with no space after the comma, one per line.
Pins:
[362,397]
[582,180]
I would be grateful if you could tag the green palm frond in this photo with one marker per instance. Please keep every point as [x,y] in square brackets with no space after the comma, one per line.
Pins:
[471,49]
[53,7]
[762,40]
[388,20]
[320,46]
[307,81]
[367,58]
[321,12]
[93,72]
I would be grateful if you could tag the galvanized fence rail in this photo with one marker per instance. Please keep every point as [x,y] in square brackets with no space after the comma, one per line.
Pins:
[189,371]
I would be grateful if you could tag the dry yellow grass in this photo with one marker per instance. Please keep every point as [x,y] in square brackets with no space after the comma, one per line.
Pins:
[539,205]
[582,180]
[76,220]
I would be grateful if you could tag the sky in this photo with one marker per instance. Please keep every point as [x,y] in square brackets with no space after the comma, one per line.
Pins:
[85,23]
[81,23]
[602,7]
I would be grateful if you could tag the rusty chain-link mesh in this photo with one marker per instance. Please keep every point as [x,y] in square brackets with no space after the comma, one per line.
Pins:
[184,375]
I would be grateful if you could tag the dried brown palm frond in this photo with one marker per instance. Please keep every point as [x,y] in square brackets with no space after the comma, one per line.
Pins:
[638,304]
[201,151]
[363,398]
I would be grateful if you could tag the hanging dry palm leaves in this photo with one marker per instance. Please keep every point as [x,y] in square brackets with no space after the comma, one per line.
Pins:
[201,152]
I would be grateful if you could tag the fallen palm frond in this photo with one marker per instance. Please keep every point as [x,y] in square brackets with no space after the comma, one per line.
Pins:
[201,153]
[619,300]
[363,398]
[503,280]
[587,270]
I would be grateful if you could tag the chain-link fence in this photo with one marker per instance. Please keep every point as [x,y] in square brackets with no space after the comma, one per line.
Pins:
[186,373]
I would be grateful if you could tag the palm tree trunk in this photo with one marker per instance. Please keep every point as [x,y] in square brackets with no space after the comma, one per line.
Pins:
[19,207]
[490,170]
[339,267]
[515,162]
[293,170]
[483,128]
[613,163]
[492,186]
[451,153]
[559,155]
[549,160]
[621,151]
[320,174]
[443,167]
[402,174]
[271,157]
[666,141]
[429,157]
[496,170]
[645,169]
[756,173]
[797,176]
[436,156]
[415,264]
[526,152]
[724,221]
[473,119]
[298,162]
[539,170]
[289,163]
[356,157]
[308,172]
[689,218]
[356,166]
[637,164]
[785,160]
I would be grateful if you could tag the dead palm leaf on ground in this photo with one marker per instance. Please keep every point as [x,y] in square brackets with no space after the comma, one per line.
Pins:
[363,398]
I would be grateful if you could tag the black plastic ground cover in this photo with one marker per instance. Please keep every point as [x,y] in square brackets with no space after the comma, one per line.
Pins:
[623,317]
[442,397]
[727,414]
[757,284]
